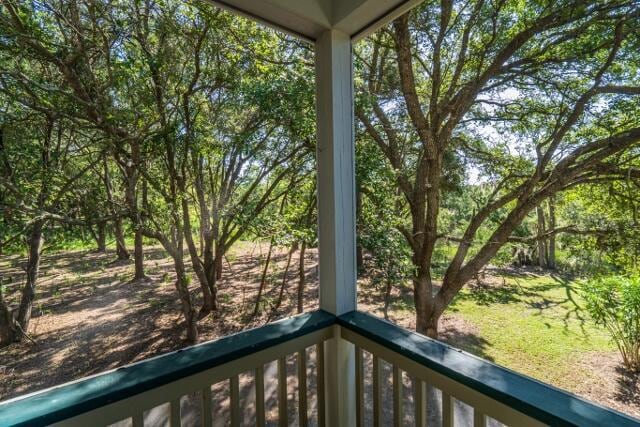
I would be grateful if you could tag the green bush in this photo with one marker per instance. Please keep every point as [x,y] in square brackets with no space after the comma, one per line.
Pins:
[614,302]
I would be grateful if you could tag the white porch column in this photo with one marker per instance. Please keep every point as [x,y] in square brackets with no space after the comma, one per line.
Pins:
[336,173]
[336,214]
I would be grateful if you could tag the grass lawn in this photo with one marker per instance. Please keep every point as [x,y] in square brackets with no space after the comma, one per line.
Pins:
[533,323]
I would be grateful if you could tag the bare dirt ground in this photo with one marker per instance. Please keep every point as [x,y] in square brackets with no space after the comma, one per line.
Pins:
[89,318]
[608,383]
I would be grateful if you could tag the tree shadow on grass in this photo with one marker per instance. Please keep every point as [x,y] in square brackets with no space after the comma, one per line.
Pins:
[569,302]
[564,304]
[571,293]
[532,295]
[485,294]
[468,341]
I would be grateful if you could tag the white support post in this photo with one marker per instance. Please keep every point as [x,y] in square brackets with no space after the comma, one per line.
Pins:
[336,173]
[336,215]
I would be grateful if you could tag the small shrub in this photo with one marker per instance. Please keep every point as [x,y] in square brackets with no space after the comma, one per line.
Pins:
[614,302]
[225,298]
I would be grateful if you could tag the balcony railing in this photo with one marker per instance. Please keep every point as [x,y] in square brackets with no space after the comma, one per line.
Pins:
[491,394]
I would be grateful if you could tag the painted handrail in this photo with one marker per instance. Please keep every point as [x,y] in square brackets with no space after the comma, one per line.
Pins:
[65,401]
[532,398]
[538,400]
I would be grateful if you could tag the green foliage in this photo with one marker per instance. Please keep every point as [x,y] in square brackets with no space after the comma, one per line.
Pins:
[203,115]
[484,112]
[380,217]
[614,302]
[611,209]
[388,249]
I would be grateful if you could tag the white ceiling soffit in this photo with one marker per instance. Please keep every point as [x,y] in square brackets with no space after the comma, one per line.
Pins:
[307,19]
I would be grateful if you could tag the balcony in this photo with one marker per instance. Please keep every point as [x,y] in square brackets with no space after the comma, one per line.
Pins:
[337,366]
[448,386]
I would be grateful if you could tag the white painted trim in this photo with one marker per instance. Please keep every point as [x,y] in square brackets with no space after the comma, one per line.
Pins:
[308,19]
[383,20]
[222,4]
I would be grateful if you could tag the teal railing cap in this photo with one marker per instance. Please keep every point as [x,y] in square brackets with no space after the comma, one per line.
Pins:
[538,400]
[59,403]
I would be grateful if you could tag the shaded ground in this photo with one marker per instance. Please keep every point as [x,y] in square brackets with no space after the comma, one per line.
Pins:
[89,318]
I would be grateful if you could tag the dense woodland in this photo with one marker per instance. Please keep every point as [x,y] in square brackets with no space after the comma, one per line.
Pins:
[488,133]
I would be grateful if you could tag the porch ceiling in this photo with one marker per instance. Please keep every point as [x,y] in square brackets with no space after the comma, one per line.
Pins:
[309,18]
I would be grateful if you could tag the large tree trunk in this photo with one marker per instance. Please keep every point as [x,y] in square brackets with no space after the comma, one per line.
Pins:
[138,248]
[208,285]
[387,298]
[212,263]
[218,264]
[33,269]
[200,268]
[138,255]
[217,274]
[425,226]
[551,254]
[207,275]
[100,236]
[7,322]
[182,287]
[175,248]
[132,178]
[542,244]
[427,311]
[121,248]
[204,267]
[426,320]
